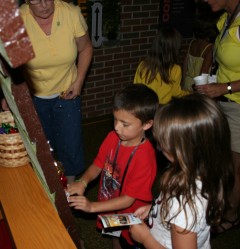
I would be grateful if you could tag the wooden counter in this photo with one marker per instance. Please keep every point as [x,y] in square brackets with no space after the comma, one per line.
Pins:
[32,219]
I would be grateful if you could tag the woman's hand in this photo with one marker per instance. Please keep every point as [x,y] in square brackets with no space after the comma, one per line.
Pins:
[213,90]
[73,91]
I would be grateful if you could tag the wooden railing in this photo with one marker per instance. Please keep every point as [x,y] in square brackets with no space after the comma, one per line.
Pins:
[32,219]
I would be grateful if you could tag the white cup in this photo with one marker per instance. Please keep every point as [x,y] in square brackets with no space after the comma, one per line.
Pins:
[212,79]
[201,80]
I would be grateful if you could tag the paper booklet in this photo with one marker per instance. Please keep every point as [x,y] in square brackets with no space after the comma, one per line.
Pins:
[116,220]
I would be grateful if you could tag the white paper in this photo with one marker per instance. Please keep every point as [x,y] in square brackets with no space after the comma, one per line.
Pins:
[116,220]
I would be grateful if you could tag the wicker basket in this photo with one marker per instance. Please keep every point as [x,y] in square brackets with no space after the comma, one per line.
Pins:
[7,117]
[12,150]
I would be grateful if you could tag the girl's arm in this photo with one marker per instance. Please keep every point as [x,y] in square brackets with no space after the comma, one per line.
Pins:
[183,240]
[79,187]
[141,234]
[118,203]
[176,75]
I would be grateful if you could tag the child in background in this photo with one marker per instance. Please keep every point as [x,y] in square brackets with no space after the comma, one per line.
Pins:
[159,70]
[198,59]
[193,134]
[126,161]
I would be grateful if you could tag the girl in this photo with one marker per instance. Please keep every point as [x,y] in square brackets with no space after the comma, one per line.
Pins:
[193,134]
[159,70]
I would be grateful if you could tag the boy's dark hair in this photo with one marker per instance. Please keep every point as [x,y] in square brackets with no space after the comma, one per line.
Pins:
[137,99]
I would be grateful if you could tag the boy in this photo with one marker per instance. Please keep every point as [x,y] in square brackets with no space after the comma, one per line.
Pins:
[126,160]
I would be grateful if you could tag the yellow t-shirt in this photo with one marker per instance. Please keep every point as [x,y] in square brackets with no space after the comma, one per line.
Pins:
[53,69]
[228,54]
[164,91]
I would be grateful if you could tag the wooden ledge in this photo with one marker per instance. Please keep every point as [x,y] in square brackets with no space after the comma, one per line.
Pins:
[31,217]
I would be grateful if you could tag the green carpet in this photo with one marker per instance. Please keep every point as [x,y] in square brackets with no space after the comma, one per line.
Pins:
[94,131]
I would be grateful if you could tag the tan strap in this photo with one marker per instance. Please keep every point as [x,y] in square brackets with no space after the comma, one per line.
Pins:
[207,46]
[190,45]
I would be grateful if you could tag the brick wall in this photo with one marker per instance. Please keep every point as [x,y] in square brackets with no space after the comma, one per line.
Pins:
[114,67]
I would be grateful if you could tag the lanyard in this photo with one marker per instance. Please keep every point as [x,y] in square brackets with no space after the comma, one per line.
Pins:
[227,25]
[128,162]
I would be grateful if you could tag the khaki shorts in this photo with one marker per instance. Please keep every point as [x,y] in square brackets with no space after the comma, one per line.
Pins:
[232,112]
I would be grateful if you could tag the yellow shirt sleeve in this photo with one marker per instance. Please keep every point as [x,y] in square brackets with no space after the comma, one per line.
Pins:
[164,91]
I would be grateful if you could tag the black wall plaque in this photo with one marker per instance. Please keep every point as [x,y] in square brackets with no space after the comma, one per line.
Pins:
[179,14]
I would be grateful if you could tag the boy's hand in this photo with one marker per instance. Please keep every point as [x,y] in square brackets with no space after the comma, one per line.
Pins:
[80,202]
[4,105]
[76,188]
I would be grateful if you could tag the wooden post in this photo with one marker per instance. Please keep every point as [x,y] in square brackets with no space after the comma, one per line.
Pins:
[17,51]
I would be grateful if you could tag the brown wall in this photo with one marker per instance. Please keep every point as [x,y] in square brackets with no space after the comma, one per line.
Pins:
[114,67]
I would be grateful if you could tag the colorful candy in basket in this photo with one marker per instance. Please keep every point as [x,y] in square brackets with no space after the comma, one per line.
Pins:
[12,150]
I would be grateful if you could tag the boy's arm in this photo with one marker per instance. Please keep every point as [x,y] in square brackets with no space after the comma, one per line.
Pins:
[79,187]
[118,203]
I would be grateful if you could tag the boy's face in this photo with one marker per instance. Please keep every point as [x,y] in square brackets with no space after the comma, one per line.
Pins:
[129,128]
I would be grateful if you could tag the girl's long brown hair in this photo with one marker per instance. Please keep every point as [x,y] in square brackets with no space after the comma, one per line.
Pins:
[195,132]
[163,55]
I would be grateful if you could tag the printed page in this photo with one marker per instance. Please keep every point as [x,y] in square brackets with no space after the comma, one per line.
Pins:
[115,220]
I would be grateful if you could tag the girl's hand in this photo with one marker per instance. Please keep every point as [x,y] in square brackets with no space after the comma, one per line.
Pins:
[76,188]
[80,202]
[142,212]
[140,232]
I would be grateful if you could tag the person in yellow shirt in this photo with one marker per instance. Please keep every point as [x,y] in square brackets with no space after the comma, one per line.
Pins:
[226,90]
[59,36]
[159,70]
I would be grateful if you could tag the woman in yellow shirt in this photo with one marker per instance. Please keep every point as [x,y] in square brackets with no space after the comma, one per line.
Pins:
[227,91]
[59,36]
[159,70]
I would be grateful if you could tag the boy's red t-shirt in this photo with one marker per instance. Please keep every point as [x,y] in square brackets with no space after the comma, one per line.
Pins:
[139,177]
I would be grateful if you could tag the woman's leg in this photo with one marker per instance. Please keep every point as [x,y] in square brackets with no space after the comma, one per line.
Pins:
[231,218]
[235,196]
[45,114]
[68,136]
